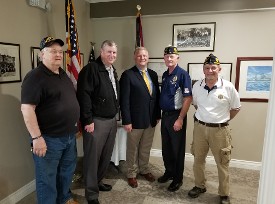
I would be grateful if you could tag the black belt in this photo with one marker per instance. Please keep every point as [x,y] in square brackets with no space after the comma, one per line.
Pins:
[173,112]
[211,124]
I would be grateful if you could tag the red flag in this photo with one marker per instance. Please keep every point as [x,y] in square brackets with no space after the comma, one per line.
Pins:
[139,36]
[73,59]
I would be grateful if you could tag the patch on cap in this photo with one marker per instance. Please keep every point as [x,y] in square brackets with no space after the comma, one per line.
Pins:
[211,59]
[171,50]
[48,41]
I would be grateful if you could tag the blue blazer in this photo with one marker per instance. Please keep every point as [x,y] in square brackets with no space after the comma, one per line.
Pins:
[138,107]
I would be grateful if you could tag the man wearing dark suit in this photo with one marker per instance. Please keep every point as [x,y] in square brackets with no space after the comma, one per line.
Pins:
[140,113]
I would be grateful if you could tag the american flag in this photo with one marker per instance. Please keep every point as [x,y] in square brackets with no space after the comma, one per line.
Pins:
[73,59]
[139,35]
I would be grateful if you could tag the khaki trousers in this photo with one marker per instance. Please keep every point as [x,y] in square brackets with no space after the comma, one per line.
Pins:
[218,139]
[139,143]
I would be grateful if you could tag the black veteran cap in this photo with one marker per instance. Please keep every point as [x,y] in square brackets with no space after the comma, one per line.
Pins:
[211,59]
[48,41]
[171,50]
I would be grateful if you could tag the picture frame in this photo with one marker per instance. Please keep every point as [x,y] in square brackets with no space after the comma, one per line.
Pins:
[195,71]
[194,36]
[253,78]
[35,56]
[158,65]
[10,63]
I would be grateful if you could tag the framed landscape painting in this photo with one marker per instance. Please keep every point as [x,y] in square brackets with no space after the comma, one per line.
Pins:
[194,36]
[253,78]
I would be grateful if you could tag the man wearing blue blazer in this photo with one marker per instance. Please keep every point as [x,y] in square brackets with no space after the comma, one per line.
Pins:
[140,113]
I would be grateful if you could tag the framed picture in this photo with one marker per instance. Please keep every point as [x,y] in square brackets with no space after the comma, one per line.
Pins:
[10,64]
[195,71]
[253,78]
[35,52]
[64,60]
[158,65]
[194,36]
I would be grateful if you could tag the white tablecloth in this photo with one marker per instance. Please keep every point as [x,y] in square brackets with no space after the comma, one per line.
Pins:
[119,151]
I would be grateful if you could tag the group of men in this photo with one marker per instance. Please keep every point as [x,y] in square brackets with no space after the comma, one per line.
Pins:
[51,109]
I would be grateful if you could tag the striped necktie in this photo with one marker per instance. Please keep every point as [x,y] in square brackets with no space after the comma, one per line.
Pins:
[147,82]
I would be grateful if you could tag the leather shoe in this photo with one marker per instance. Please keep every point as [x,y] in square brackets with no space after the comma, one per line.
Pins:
[132,182]
[104,187]
[174,186]
[94,201]
[149,177]
[225,199]
[164,178]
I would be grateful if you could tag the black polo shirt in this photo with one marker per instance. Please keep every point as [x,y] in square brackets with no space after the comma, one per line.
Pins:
[57,108]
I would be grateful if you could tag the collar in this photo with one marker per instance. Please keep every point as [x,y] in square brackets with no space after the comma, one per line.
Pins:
[50,72]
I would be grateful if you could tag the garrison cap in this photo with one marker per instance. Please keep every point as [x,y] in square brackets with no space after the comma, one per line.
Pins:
[171,50]
[211,59]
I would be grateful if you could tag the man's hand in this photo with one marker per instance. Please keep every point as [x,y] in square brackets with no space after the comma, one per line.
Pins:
[128,128]
[90,128]
[39,147]
[178,124]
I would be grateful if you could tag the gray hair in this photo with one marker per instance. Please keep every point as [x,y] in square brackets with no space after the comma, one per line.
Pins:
[110,43]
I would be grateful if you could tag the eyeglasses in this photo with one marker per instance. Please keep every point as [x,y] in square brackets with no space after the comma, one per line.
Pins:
[54,52]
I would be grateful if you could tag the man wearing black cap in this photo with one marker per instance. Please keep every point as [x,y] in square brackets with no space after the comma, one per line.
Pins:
[51,112]
[175,99]
[217,102]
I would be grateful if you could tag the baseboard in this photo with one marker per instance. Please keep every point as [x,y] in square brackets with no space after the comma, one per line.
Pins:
[19,194]
[210,160]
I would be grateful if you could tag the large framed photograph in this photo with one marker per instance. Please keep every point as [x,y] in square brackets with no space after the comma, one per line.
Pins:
[158,65]
[35,55]
[10,64]
[194,36]
[253,78]
[195,71]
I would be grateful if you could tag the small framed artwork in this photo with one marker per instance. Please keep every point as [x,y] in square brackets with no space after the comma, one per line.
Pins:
[35,54]
[194,36]
[253,78]
[158,65]
[10,64]
[195,71]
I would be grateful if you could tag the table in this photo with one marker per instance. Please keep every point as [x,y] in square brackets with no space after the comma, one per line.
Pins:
[119,151]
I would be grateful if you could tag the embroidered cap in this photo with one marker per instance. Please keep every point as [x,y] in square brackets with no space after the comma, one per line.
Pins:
[171,50]
[48,41]
[211,59]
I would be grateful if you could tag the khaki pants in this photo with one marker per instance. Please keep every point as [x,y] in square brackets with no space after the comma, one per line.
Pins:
[218,139]
[139,143]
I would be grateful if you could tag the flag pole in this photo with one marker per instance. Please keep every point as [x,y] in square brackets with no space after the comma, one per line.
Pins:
[139,35]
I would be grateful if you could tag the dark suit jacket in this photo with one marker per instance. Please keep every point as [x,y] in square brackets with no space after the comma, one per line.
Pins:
[138,107]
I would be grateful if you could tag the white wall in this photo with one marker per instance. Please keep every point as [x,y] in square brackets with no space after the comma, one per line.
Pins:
[243,34]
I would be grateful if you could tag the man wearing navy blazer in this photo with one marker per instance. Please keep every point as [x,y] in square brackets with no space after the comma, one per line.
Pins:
[140,113]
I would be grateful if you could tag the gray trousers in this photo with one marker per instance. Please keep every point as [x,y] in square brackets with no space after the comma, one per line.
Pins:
[98,148]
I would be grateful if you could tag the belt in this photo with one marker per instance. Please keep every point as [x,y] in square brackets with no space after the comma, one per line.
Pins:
[173,112]
[211,124]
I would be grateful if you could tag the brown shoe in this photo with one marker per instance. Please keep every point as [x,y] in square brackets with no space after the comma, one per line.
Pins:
[71,201]
[149,177]
[132,182]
